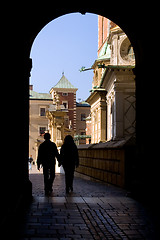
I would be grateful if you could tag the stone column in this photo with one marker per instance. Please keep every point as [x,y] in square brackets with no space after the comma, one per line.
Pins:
[59,135]
[118,115]
[109,120]
[103,108]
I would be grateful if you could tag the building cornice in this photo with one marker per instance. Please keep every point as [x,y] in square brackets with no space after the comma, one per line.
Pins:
[97,92]
[40,99]
[68,90]
[110,68]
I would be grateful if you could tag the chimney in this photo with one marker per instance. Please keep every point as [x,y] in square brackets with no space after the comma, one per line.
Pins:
[30,87]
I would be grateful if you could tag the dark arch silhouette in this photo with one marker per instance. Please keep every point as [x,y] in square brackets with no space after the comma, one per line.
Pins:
[26,22]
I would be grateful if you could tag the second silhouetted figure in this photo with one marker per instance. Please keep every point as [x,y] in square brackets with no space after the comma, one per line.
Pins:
[69,160]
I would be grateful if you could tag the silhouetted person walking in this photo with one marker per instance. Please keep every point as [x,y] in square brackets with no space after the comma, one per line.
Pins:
[46,156]
[69,160]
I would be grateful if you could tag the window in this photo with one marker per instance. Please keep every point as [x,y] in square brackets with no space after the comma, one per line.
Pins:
[42,112]
[83,116]
[64,94]
[42,130]
[65,103]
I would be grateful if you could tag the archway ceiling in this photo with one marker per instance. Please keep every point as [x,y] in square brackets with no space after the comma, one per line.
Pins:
[129,18]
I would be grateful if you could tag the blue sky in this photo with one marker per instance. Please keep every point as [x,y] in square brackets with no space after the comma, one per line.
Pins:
[65,45]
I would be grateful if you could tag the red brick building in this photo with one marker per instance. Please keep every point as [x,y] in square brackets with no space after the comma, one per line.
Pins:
[67,97]
[104,25]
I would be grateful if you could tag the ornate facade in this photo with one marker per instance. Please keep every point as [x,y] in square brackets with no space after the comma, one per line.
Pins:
[112,96]
[58,126]
[58,113]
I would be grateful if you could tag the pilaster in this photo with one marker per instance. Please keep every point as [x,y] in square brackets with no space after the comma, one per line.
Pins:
[118,116]
[103,108]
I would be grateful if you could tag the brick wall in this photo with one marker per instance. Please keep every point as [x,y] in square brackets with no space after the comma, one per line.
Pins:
[103,28]
[71,99]
[102,31]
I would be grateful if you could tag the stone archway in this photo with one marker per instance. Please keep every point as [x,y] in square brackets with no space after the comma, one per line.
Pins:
[102,125]
[133,30]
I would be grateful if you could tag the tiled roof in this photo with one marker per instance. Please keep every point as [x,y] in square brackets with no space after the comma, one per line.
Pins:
[64,83]
[42,96]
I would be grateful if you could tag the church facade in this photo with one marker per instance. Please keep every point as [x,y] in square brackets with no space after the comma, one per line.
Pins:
[112,97]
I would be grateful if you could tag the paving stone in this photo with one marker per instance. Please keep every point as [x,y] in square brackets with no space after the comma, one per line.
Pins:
[93,211]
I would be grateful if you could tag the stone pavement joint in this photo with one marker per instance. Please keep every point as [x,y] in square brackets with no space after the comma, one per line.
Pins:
[93,211]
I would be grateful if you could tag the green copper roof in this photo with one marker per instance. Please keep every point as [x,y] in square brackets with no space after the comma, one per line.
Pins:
[82,104]
[105,52]
[42,96]
[64,83]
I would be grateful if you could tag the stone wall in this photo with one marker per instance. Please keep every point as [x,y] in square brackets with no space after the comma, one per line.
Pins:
[105,162]
[105,165]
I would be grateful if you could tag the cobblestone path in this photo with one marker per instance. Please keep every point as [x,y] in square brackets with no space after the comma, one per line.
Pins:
[93,211]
